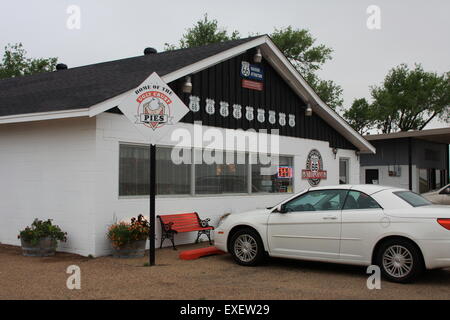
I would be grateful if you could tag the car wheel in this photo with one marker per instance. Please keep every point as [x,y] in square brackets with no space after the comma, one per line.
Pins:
[400,260]
[246,247]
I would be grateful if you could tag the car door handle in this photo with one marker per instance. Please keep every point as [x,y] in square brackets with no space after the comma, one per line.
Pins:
[330,218]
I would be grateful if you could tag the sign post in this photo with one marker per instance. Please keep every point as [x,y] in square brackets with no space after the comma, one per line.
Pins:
[152,107]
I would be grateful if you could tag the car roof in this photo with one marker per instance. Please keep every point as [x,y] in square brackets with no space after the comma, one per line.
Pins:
[366,188]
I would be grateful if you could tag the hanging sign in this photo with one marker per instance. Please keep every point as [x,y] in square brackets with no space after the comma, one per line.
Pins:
[152,107]
[314,168]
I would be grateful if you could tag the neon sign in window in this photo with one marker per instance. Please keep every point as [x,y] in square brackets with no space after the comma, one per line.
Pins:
[284,172]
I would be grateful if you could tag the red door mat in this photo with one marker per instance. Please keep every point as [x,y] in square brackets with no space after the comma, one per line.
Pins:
[198,253]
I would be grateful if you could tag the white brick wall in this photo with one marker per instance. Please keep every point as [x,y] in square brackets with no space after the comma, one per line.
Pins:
[68,170]
[47,171]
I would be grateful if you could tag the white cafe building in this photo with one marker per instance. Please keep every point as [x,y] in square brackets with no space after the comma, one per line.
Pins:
[69,154]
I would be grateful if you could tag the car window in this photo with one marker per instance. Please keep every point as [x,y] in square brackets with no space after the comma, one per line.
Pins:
[359,200]
[317,201]
[414,199]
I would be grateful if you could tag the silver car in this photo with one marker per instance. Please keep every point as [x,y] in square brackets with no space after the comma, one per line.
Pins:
[440,196]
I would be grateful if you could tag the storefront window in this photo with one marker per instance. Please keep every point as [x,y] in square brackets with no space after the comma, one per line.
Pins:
[133,170]
[226,177]
[234,174]
[278,179]
[172,178]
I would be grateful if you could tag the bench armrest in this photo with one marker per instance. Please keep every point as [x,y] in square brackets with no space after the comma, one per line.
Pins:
[205,222]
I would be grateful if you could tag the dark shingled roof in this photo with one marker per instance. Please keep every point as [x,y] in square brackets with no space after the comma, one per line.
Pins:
[85,86]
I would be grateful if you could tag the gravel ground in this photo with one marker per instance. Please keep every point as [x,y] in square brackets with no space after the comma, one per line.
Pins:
[214,277]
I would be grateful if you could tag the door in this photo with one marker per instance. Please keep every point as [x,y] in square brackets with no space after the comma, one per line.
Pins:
[308,226]
[372,176]
[362,223]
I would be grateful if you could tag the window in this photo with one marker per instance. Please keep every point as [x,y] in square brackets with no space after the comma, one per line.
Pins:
[423,181]
[359,200]
[319,200]
[222,178]
[343,171]
[232,175]
[279,179]
[134,172]
[172,178]
[412,198]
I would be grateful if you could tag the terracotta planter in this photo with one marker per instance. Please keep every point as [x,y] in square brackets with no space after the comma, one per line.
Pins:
[135,249]
[44,248]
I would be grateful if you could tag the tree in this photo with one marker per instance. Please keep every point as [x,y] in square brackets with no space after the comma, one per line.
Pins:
[360,115]
[298,46]
[409,99]
[204,32]
[15,63]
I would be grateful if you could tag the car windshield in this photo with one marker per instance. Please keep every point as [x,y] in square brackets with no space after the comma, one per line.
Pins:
[414,199]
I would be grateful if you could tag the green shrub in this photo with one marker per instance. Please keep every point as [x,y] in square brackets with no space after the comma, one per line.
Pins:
[42,229]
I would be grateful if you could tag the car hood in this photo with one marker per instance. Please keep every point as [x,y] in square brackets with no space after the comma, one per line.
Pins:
[427,212]
[255,212]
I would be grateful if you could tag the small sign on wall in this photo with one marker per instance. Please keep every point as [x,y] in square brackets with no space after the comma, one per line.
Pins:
[249,84]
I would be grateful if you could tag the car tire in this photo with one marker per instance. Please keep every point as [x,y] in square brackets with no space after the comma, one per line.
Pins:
[246,247]
[400,260]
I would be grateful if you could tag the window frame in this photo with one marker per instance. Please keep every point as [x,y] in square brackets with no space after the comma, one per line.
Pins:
[192,172]
[283,205]
[348,193]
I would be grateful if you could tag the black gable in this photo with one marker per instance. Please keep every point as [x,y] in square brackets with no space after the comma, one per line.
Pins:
[223,83]
[85,86]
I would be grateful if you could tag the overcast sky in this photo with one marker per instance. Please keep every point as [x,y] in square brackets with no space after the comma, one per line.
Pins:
[411,31]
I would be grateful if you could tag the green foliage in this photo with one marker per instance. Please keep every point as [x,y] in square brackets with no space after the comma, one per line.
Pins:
[42,229]
[410,99]
[327,90]
[122,233]
[360,115]
[204,32]
[298,46]
[15,63]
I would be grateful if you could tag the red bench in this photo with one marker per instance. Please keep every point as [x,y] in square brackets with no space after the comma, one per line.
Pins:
[184,222]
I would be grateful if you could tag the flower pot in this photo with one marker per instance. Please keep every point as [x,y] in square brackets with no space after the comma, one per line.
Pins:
[44,248]
[135,249]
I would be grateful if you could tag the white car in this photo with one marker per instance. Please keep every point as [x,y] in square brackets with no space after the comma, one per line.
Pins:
[396,229]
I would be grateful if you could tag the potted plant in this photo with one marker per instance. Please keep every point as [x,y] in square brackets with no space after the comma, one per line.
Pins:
[128,239]
[41,239]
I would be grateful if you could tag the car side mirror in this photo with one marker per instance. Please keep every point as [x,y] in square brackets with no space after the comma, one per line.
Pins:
[281,208]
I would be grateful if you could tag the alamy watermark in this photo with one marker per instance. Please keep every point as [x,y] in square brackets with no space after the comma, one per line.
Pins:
[374,19]
[74,280]
[73,21]
[374,280]
[226,146]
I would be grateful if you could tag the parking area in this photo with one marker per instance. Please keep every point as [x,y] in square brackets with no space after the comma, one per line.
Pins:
[214,277]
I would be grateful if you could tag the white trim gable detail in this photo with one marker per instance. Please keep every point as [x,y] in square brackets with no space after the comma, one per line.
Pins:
[270,52]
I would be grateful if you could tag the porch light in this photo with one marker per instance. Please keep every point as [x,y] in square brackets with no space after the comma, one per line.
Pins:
[357,154]
[334,152]
[308,111]
[257,58]
[187,85]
